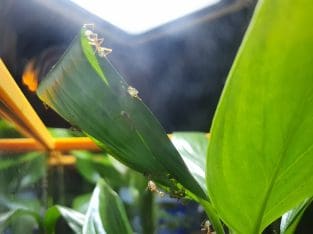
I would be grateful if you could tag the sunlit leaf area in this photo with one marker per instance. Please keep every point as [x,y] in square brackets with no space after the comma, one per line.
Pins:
[201,124]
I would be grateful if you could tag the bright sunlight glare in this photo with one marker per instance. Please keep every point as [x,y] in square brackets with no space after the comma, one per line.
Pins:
[138,16]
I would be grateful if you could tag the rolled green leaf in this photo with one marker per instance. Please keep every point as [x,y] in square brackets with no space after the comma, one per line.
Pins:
[260,154]
[86,90]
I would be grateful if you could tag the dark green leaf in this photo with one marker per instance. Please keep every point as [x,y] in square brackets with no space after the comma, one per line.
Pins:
[260,153]
[74,219]
[88,92]
[106,213]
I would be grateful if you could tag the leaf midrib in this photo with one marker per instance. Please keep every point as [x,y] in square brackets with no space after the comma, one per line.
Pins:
[275,177]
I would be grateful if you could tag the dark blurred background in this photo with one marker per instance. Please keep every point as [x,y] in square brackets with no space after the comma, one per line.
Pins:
[179,68]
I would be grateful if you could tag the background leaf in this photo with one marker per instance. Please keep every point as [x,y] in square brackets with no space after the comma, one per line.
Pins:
[260,153]
[74,219]
[81,203]
[96,166]
[20,171]
[192,146]
[8,218]
[7,130]
[106,213]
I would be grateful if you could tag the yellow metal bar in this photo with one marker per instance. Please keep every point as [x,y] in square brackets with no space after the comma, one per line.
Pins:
[61,144]
[20,145]
[64,160]
[75,143]
[15,101]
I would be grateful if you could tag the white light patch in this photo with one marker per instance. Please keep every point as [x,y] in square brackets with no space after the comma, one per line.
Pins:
[182,145]
[138,16]
[193,167]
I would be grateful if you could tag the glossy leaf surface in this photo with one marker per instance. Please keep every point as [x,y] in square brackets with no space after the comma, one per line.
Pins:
[192,146]
[259,162]
[290,220]
[106,213]
[88,92]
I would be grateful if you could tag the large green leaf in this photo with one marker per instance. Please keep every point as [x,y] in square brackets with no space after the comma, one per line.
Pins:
[88,92]
[74,219]
[260,154]
[106,213]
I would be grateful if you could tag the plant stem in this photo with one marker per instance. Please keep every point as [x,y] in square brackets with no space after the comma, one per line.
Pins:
[147,213]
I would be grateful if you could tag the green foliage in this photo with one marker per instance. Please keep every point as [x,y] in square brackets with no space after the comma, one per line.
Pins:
[7,130]
[106,213]
[96,166]
[19,208]
[20,171]
[10,217]
[81,202]
[260,154]
[74,219]
[259,158]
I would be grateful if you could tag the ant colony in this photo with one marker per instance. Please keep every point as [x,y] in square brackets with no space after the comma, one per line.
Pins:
[95,41]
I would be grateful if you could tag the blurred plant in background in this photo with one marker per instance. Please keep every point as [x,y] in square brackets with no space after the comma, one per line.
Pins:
[29,187]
